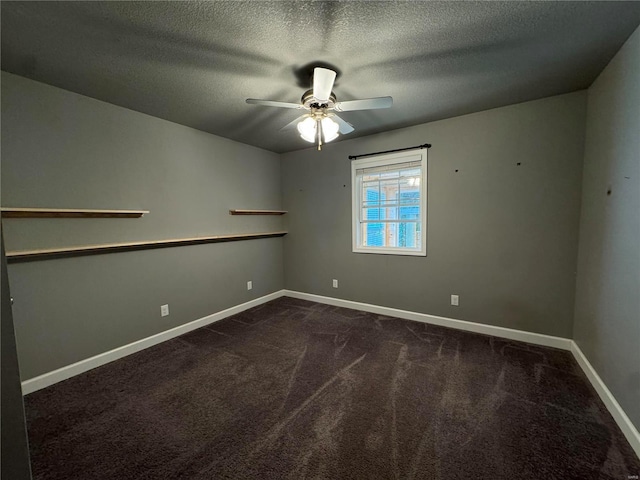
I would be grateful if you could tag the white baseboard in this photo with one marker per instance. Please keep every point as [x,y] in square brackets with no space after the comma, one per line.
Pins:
[618,414]
[47,379]
[628,429]
[509,333]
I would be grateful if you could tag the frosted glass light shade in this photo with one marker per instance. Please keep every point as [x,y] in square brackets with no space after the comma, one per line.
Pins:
[329,129]
[307,129]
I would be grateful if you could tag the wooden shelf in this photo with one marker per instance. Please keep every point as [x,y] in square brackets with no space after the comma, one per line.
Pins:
[257,212]
[31,255]
[69,213]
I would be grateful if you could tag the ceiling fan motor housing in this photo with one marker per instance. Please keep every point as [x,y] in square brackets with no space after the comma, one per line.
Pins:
[310,102]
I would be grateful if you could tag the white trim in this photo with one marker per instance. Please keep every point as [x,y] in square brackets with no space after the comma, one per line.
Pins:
[511,334]
[47,379]
[420,157]
[628,429]
[618,414]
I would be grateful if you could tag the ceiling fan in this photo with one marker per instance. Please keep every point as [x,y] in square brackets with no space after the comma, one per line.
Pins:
[320,123]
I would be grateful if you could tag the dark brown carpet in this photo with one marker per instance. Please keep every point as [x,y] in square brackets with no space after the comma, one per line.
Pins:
[295,389]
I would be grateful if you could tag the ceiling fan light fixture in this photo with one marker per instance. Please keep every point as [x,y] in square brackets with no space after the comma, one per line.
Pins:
[329,129]
[307,129]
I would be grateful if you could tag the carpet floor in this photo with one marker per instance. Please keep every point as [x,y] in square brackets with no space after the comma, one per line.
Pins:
[294,389]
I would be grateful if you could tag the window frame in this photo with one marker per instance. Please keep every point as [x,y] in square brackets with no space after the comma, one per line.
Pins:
[356,201]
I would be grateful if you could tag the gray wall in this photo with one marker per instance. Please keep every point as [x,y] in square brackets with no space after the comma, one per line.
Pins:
[607,310]
[502,236]
[64,150]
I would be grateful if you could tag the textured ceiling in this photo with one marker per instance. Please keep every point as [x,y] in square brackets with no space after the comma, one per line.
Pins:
[194,63]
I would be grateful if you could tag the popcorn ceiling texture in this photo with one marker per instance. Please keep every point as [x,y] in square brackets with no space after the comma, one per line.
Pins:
[194,63]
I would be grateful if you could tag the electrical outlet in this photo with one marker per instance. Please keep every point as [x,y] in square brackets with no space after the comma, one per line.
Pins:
[335,283]
[455,300]
[249,285]
[164,310]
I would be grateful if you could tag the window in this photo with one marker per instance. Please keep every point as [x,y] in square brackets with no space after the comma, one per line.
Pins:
[389,203]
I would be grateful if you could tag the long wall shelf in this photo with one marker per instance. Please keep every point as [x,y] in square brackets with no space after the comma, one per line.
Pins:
[69,213]
[32,255]
[257,212]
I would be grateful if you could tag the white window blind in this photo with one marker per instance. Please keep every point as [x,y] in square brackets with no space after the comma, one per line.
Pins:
[389,168]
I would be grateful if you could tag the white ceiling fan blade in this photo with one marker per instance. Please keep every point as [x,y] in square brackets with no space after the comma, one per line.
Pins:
[345,127]
[365,104]
[323,79]
[294,123]
[271,103]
